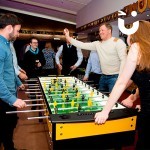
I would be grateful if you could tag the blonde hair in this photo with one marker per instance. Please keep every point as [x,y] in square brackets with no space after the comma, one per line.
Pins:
[142,38]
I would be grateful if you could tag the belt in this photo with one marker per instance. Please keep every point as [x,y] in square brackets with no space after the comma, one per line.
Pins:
[109,75]
[95,73]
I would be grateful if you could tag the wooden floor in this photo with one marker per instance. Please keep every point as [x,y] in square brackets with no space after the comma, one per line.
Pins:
[31,134]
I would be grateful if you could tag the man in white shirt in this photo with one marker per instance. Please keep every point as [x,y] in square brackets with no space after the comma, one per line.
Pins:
[112,54]
[71,58]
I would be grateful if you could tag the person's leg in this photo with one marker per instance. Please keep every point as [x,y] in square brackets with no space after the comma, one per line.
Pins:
[96,78]
[143,133]
[7,125]
[90,77]
[111,81]
[102,84]
[7,138]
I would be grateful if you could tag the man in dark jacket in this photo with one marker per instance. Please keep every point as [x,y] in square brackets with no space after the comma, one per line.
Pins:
[33,59]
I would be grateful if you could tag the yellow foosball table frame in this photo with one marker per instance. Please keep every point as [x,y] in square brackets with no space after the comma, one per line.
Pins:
[79,131]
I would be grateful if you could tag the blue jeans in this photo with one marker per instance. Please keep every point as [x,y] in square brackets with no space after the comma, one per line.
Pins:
[107,82]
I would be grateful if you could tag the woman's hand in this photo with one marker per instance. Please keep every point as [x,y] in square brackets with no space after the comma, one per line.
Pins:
[101,117]
[128,102]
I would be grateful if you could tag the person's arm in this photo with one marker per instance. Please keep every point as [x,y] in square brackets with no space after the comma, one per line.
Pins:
[58,54]
[17,70]
[80,57]
[76,43]
[5,94]
[88,68]
[15,62]
[18,82]
[128,102]
[122,53]
[22,75]
[20,72]
[120,85]
[23,71]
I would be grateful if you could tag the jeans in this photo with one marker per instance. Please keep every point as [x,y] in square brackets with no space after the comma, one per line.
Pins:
[107,82]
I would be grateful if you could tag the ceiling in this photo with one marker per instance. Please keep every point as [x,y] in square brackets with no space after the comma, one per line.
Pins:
[58,10]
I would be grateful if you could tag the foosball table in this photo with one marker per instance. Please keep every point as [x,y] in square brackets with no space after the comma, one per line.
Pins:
[71,105]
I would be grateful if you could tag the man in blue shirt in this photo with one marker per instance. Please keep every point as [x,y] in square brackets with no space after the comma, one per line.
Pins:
[93,70]
[9,30]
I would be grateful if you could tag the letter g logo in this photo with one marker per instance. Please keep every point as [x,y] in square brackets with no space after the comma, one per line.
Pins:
[122,27]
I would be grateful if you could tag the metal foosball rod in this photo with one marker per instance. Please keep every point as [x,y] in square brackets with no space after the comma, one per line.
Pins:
[25,111]
[30,84]
[40,117]
[31,105]
[71,83]
[83,107]
[78,97]
[82,102]
[36,95]
[32,92]
[68,80]
[33,87]
[67,94]
[32,100]
[38,89]
[31,80]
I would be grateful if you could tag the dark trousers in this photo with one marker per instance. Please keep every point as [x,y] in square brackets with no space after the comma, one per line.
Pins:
[7,124]
[66,71]
[143,127]
[95,78]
